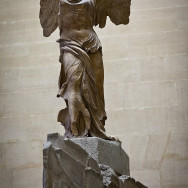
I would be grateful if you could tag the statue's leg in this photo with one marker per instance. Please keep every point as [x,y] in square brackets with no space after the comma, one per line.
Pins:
[71,116]
[98,69]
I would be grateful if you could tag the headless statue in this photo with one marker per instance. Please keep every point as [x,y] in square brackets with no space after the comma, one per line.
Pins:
[82,74]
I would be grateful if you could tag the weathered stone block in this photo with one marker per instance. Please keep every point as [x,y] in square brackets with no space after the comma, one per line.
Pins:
[104,152]
[85,163]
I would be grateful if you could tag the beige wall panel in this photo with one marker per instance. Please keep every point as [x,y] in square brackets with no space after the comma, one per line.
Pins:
[155,94]
[182,91]
[45,49]
[176,42]
[29,77]
[117,96]
[1,153]
[29,178]
[176,67]
[180,115]
[18,4]
[122,71]
[182,17]
[137,153]
[152,177]
[27,103]
[177,147]
[13,51]
[137,121]
[155,25]
[153,68]
[6,178]
[20,26]
[28,61]
[174,173]
[28,13]
[9,74]
[129,47]
[152,14]
[13,130]
[23,32]
[26,154]
[148,4]
[20,129]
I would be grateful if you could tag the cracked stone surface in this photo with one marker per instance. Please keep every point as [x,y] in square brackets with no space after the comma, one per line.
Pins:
[85,163]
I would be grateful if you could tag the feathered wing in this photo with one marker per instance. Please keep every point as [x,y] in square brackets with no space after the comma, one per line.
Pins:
[117,10]
[49,10]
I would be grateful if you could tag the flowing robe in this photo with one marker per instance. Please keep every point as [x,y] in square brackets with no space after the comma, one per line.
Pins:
[82,75]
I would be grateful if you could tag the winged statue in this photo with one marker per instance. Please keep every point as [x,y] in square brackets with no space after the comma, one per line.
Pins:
[82,75]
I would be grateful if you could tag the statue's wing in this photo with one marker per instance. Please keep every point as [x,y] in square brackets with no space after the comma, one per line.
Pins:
[117,10]
[49,10]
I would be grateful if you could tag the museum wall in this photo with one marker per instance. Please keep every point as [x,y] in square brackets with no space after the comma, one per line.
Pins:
[146,91]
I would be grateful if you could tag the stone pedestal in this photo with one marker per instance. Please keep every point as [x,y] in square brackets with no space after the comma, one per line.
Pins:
[85,163]
[105,152]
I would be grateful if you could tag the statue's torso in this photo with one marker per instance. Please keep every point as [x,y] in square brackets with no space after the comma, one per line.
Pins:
[76,23]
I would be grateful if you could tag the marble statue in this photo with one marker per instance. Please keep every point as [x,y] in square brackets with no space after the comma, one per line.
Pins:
[82,75]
